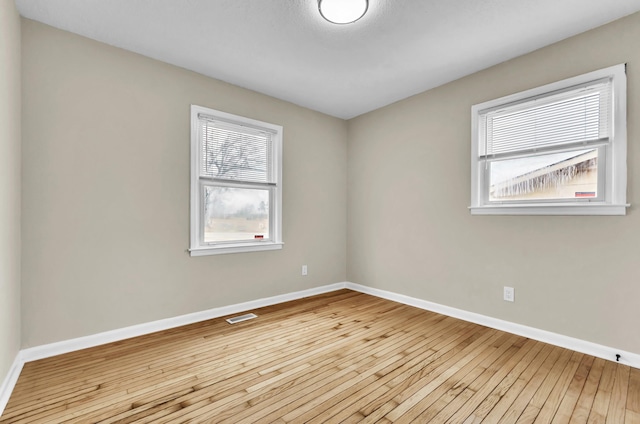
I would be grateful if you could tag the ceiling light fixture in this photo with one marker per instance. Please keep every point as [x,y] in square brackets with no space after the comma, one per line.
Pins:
[343,11]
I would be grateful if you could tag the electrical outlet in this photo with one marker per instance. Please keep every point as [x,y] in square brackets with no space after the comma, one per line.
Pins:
[509,294]
[304,270]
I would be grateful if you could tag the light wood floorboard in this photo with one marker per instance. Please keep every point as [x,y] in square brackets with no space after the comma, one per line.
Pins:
[340,357]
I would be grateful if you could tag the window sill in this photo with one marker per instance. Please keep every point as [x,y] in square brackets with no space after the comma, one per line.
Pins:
[550,209]
[234,248]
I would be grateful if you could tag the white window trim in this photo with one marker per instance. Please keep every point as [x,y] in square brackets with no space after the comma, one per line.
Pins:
[615,180]
[197,247]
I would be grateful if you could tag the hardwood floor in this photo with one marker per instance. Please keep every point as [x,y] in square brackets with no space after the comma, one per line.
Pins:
[342,357]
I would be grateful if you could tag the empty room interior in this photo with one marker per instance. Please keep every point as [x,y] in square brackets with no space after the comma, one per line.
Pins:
[429,207]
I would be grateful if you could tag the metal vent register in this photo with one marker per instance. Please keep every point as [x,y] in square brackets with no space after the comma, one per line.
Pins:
[241,318]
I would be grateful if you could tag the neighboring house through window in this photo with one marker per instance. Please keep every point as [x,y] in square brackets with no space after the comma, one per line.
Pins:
[554,150]
[236,183]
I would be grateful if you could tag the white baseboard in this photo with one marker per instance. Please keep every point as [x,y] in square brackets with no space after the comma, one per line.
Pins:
[10,381]
[582,346]
[66,346]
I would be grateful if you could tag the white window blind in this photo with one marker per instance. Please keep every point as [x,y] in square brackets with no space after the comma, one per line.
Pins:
[577,116]
[235,152]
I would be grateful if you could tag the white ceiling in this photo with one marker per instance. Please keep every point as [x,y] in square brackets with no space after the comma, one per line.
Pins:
[283,48]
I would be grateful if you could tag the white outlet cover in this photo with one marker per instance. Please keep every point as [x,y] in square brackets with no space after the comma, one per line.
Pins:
[509,294]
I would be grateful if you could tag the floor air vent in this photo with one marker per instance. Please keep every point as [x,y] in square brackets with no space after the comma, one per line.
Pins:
[241,318]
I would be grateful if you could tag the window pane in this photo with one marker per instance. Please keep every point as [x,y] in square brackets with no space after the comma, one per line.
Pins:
[557,176]
[235,214]
[580,118]
[235,153]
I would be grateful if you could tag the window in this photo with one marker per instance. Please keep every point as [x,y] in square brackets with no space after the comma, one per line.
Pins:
[236,183]
[560,149]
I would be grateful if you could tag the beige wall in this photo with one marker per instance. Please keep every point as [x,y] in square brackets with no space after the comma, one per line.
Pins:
[106,192]
[409,230]
[9,185]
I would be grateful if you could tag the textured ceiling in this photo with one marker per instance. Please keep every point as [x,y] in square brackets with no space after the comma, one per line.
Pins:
[283,48]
